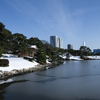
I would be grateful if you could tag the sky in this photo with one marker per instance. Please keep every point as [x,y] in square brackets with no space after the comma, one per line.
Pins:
[75,21]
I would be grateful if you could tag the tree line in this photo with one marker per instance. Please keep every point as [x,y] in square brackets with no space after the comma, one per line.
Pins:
[17,42]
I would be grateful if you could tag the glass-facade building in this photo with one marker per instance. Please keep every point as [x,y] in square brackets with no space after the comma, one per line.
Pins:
[95,51]
[60,43]
[55,41]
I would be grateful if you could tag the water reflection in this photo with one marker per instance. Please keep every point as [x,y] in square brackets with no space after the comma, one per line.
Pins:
[3,86]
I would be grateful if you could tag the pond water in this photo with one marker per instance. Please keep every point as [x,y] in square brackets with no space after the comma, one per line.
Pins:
[73,80]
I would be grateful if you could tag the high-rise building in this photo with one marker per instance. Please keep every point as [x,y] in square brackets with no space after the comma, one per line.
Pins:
[96,51]
[60,43]
[69,46]
[55,41]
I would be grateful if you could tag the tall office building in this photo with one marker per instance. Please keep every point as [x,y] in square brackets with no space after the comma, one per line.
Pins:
[55,41]
[60,43]
[69,46]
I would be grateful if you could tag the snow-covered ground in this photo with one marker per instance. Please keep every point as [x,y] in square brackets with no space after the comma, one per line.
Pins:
[47,61]
[71,57]
[9,55]
[94,57]
[63,56]
[7,81]
[18,63]
[75,58]
[78,57]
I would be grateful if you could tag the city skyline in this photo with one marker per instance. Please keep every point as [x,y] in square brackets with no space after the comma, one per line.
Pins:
[55,41]
[73,20]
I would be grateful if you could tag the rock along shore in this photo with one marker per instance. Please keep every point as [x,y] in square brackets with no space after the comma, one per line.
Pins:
[14,72]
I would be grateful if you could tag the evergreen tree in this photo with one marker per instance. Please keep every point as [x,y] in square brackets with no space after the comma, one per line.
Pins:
[19,43]
[0,51]
[5,38]
[35,41]
[41,56]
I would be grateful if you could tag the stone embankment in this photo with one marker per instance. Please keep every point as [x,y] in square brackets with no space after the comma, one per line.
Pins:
[14,72]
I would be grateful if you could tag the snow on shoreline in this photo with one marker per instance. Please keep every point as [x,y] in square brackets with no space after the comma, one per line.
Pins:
[7,81]
[78,57]
[94,57]
[75,58]
[18,63]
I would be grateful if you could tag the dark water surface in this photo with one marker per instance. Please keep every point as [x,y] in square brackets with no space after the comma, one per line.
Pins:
[74,80]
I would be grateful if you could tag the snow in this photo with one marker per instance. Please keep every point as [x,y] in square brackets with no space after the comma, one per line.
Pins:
[18,63]
[7,81]
[47,61]
[94,57]
[33,46]
[90,57]
[8,55]
[63,56]
[75,58]
[78,57]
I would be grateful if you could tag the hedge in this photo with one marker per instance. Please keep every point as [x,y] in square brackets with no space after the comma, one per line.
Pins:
[4,62]
[30,59]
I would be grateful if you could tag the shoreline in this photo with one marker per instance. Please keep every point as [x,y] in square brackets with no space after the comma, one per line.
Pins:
[8,74]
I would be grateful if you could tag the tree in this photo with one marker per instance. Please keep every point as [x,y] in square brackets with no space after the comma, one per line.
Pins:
[2,27]
[5,37]
[19,43]
[85,50]
[35,41]
[41,56]
[44,42]
[0,51]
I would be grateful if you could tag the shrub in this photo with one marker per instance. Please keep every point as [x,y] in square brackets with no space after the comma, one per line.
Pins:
[30,59]
[4,62]
[25,58]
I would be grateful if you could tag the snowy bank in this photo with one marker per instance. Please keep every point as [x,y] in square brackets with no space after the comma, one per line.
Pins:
[75,58]
[18,66]
[18,63]
[93,57]
[7,81]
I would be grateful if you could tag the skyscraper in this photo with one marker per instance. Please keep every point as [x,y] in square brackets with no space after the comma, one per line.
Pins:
[69,46]
[55,41]
[60,43]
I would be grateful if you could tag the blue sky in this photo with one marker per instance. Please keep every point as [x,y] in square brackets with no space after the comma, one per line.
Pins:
[75,21]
